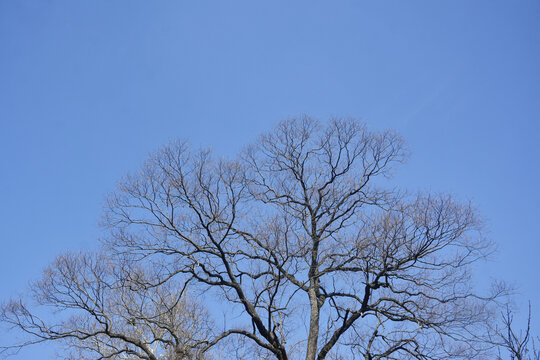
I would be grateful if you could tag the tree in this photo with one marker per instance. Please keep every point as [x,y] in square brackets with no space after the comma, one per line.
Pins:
[300,240]
[305,248]
[109,312]
[518,345]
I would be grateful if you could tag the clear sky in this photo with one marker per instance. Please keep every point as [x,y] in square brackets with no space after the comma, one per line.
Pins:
[89,88]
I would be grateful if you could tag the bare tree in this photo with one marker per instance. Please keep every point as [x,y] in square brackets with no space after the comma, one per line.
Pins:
[307,249]
[517,345]
[101,311]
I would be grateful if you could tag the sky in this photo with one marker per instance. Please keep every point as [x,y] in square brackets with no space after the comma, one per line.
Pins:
[89,88]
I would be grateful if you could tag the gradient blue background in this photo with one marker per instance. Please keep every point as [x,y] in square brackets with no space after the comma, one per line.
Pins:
[89,88]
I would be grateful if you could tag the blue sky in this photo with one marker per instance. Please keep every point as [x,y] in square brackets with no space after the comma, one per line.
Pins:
[89,88]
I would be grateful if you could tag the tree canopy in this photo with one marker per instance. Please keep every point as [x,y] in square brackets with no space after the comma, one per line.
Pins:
[300,247]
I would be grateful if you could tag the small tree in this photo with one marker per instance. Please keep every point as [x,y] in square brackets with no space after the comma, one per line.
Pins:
[517,345]
[103,311]
[308,250]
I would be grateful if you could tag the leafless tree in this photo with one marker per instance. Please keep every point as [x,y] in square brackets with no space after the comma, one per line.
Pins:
[100,311]
[308,248]
[516,345]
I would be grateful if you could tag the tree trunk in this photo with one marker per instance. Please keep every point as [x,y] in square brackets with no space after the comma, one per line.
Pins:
[313,323]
